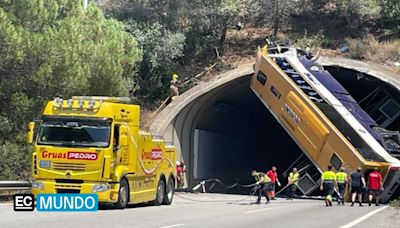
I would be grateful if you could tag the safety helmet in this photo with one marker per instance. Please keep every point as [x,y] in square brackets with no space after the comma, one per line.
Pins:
[178,163]
[174,77]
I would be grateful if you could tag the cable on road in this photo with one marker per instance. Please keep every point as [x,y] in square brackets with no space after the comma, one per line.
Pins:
[214,182]
[213,201]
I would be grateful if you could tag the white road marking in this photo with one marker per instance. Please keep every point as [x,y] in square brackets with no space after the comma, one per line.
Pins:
[258,210]
[176,225]
[362,218]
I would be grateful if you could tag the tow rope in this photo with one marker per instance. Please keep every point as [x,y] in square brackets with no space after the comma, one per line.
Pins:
[214,182]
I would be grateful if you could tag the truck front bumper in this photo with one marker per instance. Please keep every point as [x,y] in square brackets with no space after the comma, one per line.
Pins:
[107,195]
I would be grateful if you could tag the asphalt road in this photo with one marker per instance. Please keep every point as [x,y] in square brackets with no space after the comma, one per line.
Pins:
[212,210]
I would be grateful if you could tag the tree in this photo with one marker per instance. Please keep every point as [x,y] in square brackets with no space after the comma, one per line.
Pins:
[391,14]
[169,30]
[176,15]
[207,24]
[161,50]
[269,13]
[53,48]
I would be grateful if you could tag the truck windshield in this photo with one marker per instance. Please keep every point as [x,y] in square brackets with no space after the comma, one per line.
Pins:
[75,132]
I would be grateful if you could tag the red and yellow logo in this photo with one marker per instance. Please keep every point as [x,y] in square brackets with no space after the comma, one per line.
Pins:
[70,155]
[155,154]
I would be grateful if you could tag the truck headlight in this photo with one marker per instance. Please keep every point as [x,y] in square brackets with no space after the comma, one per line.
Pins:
[101,187]
[91,103]
[45,164]
[38,185]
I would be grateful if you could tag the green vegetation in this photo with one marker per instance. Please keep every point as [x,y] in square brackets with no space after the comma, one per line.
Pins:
[173,33]
[161,49]
[316,40]
[54,48]
[50,48]
[391,14]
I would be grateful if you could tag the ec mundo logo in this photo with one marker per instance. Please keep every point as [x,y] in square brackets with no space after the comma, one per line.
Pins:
[24,202]
[57,202]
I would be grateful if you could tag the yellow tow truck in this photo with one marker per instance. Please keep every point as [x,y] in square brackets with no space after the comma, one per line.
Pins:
[94,145]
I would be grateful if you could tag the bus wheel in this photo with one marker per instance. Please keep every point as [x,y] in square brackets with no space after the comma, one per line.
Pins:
[123,194]
[160,193]
[169,193]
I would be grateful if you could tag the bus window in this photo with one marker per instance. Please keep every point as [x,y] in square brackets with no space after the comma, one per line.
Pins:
[276,93]
[336,162]
[262,78]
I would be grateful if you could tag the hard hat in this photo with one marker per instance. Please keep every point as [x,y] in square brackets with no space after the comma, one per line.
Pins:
[174,77]
[178,163]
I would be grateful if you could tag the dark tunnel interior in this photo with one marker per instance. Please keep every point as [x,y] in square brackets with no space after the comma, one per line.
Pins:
[229,132]
[371,93]
[261,140]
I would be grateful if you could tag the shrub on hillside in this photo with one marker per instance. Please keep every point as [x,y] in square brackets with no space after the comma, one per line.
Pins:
[318,40]
[371,49]
[15,161]
[357,48]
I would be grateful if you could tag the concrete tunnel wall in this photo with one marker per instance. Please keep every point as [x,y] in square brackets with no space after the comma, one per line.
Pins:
[221,129]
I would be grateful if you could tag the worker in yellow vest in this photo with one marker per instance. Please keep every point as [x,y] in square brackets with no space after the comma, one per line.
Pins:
[328,184]
[174,87]
[293,180]
[341,178]
[262,183]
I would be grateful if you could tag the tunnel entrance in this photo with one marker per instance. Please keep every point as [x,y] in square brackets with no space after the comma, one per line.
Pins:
[227,132]
[378,98]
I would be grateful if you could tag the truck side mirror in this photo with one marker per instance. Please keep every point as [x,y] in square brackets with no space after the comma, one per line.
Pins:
[31,132]
[123,136]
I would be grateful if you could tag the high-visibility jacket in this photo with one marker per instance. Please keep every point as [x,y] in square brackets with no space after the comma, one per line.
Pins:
[264,50]
[329,176]
[265,178]
[294,177]
[341,177]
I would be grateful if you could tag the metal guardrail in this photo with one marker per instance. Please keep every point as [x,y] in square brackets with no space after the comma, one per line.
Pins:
[6,186]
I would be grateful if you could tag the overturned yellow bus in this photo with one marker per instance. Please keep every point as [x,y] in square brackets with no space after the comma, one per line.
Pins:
[323,118]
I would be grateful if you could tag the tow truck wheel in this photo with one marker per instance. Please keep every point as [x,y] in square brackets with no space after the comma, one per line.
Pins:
[160,193]
[123,194]
[169,193]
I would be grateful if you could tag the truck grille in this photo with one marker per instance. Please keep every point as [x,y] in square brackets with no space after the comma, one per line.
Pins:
[71,191]
[61,166]
[68,188]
